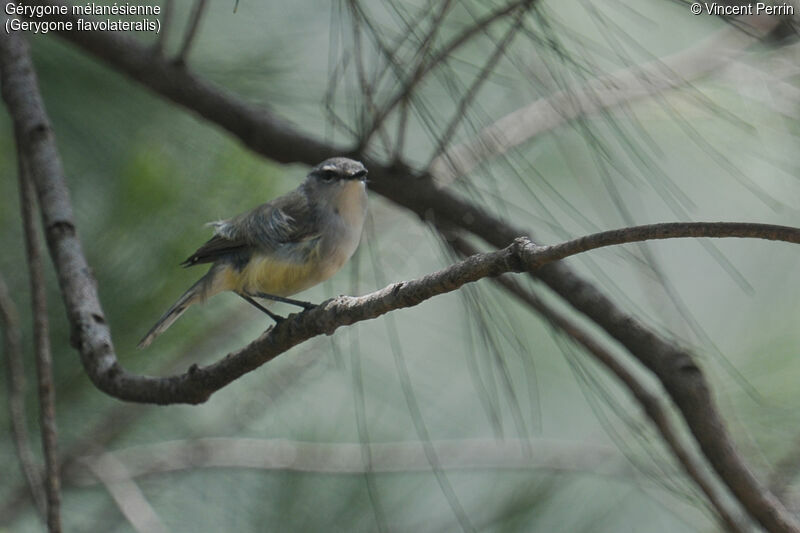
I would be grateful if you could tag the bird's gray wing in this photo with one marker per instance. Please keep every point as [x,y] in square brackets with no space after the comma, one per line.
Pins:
[215,248]
[288,219]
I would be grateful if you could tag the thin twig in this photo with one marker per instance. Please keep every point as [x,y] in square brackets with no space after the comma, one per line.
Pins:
[429,38]
[166,23]
[425,67]
[41,342]
[366,88]
[191,31]
[480,79]
[346,458]
[393,62]
[623,87]
[126,493]
[12,342]
[420,54]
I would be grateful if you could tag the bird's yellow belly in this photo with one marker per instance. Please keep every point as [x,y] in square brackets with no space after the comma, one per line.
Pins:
[271,276]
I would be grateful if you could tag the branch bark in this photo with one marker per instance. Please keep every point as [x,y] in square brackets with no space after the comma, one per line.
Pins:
[41,343]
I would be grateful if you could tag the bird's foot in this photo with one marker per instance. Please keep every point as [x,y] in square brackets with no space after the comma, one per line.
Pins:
[283,299]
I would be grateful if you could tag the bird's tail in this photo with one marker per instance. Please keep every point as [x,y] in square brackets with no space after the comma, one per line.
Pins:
[195,294]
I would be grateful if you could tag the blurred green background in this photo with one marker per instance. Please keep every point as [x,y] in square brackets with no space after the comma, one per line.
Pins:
[145,176]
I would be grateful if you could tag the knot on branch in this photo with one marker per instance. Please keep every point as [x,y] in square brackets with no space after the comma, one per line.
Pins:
[523,255]
[37,132]
[330,309]
[60,229]
[686,366]
[76,335]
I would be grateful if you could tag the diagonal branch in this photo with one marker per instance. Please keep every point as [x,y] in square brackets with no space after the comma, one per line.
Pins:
[129,498]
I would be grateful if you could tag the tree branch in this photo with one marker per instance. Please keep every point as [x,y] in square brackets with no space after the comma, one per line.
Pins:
[346,458]
[114,475]
[166,22]
[191,31]
[41,343]
[12,342]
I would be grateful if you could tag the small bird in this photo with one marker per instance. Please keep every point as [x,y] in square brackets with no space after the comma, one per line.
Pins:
[281,247]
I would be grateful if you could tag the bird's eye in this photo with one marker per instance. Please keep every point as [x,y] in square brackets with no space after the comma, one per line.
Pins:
[328,175]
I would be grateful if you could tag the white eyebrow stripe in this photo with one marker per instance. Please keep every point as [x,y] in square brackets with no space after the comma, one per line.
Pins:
[328,167]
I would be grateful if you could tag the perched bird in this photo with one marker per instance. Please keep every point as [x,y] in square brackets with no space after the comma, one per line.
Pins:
[284,246]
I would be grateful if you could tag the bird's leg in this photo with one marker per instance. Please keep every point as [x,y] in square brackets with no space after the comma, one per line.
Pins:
[274,316]
[298,303]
